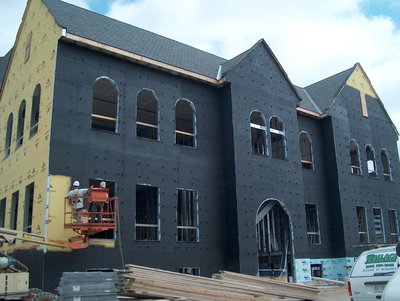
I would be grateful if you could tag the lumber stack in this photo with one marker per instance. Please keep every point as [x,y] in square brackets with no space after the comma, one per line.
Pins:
[271,287]
[142,282]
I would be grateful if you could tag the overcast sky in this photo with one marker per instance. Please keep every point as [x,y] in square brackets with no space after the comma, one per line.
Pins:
[312,39]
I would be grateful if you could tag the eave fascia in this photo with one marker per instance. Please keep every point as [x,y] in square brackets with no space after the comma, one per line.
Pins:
[310,113]
[91,44]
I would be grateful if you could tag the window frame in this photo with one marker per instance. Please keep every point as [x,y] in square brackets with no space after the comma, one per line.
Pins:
[194,217]
[8,138]
[28,47]
[14,208]
[35,111]
[193,121]
[3,205]
[354,169]
[157,214]
[372,173]
[307,163]
[387,174]
[146,125]
[21,123]
[28,207]
[316,222]
[282,135]
[394,236]
[259,129]
[382,225]
[96,117]
[366,232]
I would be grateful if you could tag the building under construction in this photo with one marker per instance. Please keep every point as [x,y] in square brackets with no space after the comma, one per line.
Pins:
[217,164]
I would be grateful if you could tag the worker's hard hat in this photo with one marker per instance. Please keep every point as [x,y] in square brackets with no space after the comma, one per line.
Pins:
[76,184]
[103,184]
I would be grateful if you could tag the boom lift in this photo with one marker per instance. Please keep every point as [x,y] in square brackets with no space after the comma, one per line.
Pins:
[101,215]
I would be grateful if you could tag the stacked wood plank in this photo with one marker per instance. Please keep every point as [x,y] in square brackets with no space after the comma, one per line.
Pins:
[271,287]
[142,282]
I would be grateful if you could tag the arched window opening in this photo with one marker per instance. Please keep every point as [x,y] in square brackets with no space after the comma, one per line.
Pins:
[21,123]
[147,115]
[185,123]
[306,152]
[278,140]
[257,126]
[371,163]
[105,105]
[35,111]
[354,158]
[387,172]
[7,146]
[274,239]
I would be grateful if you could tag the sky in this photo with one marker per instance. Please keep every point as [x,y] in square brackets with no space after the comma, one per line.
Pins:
[312,39]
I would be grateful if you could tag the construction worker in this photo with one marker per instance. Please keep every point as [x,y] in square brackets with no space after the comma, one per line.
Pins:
[75,197]
[96,206]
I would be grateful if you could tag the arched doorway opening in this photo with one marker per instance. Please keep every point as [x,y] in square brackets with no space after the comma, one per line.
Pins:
[274,238]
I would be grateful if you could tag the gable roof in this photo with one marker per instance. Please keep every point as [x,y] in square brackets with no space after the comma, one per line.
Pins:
[3,66]
[322,94]
[108,31]
[229,65]
[325,91]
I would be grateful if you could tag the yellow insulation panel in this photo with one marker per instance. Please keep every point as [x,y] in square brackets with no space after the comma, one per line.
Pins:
[33,62]
[359,80]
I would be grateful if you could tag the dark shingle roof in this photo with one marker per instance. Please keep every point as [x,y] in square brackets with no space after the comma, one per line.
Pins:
[93,26]
[325,91]
[229,65]
[3,65]
[306,101]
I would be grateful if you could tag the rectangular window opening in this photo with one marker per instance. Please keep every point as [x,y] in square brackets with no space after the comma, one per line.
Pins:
[362,225]
[378,226]
[187,216]
[28,213]
[278,146]
[195,271]
[258,140]
[371,169]
[147,222]
[3,212]
[394,226]
[28,46]
[14,211]
[364,106]
[316,270]
[313,230]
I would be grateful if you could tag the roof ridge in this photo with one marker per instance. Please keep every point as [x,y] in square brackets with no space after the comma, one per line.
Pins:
[130,25]
[233,62]
[96,27]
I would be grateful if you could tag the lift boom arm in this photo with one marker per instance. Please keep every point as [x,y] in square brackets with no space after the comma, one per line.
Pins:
[8,236]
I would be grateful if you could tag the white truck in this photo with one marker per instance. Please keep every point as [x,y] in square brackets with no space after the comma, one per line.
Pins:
[371,273]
